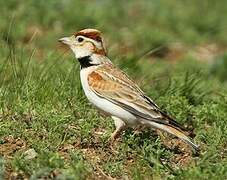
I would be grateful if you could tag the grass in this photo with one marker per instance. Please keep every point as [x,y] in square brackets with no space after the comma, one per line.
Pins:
[43,107]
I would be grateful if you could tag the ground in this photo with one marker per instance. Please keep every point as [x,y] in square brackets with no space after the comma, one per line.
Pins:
[176,52]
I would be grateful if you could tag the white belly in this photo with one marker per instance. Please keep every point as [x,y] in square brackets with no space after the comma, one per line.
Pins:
[103,104]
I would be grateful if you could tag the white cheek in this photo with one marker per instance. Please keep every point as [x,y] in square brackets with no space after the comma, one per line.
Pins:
[81,51]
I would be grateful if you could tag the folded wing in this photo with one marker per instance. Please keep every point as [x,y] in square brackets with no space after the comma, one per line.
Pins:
[111,83]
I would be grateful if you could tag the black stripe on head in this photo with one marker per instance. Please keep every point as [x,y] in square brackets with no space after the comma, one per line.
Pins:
[86,62]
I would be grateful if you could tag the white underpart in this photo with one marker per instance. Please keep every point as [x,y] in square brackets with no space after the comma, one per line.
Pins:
[118,122]
[103,104]
[106,105]
[122,117]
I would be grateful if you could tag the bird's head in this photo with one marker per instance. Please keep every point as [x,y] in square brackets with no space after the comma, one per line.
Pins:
[85,43]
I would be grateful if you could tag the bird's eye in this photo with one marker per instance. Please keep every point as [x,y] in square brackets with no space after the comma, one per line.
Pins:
[80,39]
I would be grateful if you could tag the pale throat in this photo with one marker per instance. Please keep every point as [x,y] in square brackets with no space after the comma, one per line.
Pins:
[80,53]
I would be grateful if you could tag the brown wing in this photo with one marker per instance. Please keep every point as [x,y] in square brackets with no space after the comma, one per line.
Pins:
[110,83]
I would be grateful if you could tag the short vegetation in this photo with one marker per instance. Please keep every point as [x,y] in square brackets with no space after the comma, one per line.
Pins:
[176,52]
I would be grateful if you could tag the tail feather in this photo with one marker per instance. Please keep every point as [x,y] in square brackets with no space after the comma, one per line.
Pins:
[176,132]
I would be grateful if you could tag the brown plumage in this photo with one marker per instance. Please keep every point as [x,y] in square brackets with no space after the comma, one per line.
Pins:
[110,82]
[90,33]
[113,92]
[96,36]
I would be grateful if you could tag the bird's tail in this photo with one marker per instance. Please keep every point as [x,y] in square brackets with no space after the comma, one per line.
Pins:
[176,132]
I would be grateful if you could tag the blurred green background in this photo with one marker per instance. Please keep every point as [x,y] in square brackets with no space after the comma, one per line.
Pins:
[176,51]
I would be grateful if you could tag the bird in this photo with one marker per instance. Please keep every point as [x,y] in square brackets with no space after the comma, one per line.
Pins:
[112,91]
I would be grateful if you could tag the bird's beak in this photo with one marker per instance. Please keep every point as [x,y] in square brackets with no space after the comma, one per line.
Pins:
[66,40]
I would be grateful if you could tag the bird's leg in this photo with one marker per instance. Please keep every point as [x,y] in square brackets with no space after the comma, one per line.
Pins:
[138,129]
[120,125]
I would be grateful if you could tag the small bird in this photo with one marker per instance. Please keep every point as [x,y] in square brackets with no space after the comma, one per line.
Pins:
[110,90]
